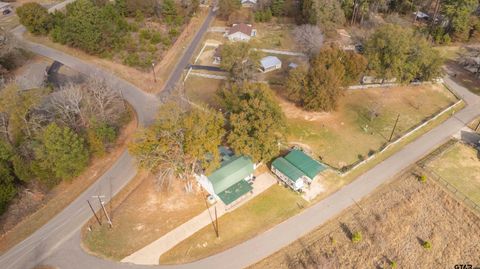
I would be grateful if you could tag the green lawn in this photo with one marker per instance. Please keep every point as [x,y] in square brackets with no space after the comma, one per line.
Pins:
[274,36]
[353,132]
[265,211]
[459,165]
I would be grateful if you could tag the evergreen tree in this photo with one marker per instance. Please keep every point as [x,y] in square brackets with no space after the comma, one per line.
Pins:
[62,153]
[35,18]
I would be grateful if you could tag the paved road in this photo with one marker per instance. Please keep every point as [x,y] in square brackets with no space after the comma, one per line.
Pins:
[58,242]
[55,235]
[184,61]
[287,232]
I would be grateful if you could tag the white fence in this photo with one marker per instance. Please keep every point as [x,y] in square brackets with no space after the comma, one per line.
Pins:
[401,138]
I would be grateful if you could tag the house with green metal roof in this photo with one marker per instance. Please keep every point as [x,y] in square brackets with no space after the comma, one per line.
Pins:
[296,169]
[230,182]
[310,167]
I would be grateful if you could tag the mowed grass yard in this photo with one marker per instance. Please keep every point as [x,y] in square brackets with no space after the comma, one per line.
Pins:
[459,165]
[260,214]
[143,215]
[363,121]
[394,222]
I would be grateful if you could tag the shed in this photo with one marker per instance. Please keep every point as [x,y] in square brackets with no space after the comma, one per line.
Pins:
[270,63]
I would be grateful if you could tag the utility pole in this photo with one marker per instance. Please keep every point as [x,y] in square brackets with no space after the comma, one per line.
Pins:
[105,211]
[216,222]
[95,214]
[393,130]
[153,70]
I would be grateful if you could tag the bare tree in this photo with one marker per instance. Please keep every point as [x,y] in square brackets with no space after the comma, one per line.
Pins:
[66,105]
[309,38]
[102,102]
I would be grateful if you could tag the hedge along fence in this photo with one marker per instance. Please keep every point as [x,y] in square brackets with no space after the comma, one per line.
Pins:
[350,168]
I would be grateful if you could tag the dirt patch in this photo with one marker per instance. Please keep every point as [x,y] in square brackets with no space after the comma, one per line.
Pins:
[34,207]
[140,216]
[394,223]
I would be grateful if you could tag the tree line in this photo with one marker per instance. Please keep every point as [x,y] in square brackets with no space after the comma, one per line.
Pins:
[449,19]
[106,28]
[48,136]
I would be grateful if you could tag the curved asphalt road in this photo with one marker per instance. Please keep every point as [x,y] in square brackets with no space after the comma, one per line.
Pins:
[54,235]
[58,242]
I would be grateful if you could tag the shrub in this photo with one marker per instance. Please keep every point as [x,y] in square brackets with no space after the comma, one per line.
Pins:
[423,178]
[156,38]
[35,18]
[173,33]
[427,245]
[393,264]
[356,237]
[145,34]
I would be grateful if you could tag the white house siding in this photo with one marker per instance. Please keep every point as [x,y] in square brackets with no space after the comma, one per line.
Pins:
[298,185]
[238,36]
[206,184]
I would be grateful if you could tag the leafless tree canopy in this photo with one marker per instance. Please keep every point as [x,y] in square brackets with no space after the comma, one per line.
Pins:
[309,38]
[81,105]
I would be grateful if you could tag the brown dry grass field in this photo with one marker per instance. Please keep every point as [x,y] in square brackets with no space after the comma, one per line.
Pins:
[141,214]
[393,222]
[143,80]
[17,224]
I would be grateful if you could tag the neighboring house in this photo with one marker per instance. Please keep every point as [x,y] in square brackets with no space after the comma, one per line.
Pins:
[296,169]
[217,55]
[241,32]
[5,6]
[270,63]
[248,3]
[231,181]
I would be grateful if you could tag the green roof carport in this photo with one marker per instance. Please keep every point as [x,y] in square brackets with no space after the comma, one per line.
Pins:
[235,191]
[228,180]
[304,163]
[286,168]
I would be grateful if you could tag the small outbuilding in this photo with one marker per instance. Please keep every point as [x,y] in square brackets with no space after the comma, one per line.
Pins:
[217,55]
[248,3]
[296,169]
[241,32]
[270,63]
